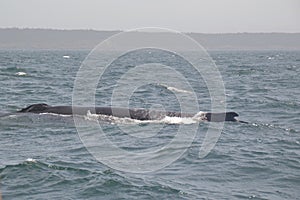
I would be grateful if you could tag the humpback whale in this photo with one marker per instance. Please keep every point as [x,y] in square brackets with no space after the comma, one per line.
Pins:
[133,113]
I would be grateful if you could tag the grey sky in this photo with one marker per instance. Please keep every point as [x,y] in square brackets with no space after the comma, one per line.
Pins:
[207,16]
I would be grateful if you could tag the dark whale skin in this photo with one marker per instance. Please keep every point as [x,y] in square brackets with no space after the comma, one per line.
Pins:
[134,113]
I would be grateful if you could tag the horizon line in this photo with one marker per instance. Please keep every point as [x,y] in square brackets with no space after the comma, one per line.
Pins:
[97,30]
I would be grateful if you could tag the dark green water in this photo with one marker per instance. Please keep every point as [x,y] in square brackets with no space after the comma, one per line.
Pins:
[42,156]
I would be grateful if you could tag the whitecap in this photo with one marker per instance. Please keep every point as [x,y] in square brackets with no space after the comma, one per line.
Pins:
[178,120]
[91,117]
[129,121]
[54,114]
[31,160]
[174,89]
[21,73]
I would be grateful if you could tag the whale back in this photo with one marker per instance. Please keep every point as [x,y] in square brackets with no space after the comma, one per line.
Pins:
[220,117]
[35,108]
[136,113]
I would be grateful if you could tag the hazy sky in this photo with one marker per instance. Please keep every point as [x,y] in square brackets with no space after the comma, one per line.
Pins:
[208,16]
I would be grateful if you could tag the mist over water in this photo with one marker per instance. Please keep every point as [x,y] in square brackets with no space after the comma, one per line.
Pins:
[42,156]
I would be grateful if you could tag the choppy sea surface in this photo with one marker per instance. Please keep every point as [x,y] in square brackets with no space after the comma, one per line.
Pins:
[42,156]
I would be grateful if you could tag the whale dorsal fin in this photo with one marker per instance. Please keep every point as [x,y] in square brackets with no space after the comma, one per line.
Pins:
[35,108]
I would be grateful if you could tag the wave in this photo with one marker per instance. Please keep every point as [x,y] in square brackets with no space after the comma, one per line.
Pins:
[7,115]
[174,89]
[88,182]
[34,163]
[272,126]
[21,73]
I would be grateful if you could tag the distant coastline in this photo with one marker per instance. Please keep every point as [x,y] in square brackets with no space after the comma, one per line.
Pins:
[48,39]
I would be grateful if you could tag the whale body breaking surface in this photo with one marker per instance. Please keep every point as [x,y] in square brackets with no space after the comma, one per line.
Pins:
[133,113]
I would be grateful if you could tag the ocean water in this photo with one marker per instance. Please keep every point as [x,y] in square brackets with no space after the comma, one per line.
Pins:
[42,156]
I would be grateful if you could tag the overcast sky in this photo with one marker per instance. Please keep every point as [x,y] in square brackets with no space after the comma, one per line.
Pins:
[206,16]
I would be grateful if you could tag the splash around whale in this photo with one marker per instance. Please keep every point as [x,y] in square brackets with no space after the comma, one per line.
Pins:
[133,113]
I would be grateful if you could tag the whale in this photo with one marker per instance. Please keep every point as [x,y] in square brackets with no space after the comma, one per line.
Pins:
[133,113]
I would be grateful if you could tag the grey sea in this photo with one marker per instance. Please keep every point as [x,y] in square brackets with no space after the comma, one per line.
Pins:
[43,157]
